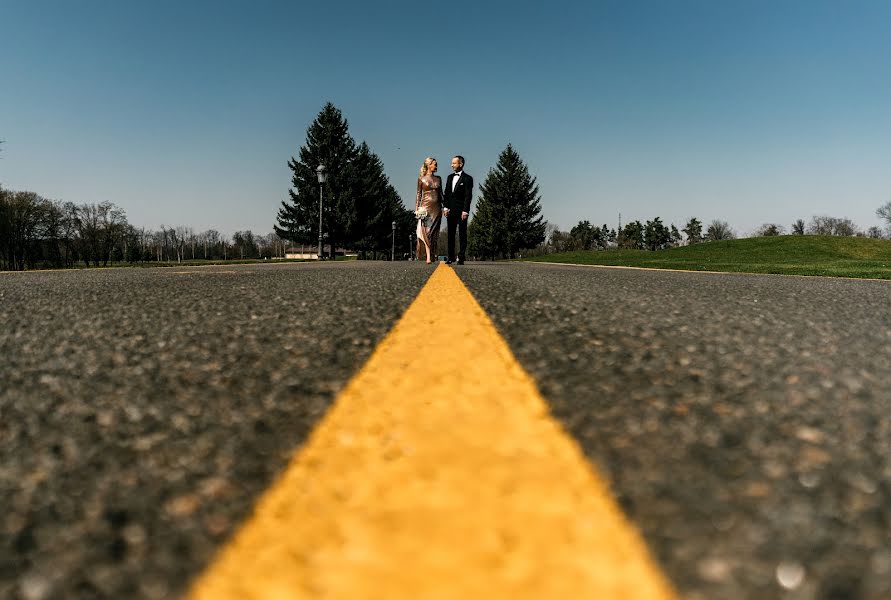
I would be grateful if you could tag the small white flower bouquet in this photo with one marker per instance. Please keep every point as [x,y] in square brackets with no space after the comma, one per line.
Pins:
[421,214]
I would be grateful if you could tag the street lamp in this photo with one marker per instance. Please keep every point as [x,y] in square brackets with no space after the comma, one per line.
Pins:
[410,257]
[393,250]
[320,173]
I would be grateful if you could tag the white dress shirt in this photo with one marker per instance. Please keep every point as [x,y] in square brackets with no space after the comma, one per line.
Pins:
[455,180]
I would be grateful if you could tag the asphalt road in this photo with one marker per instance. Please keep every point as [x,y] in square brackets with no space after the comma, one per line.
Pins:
[743,421]
[143,410]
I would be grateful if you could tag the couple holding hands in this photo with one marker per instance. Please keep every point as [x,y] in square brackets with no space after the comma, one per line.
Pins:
[435,200]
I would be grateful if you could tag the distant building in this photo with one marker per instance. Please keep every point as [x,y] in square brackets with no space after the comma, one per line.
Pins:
[304,253]
[310,253]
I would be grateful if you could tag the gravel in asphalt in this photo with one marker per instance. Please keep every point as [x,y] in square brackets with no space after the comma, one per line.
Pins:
[744,421]
[143,410]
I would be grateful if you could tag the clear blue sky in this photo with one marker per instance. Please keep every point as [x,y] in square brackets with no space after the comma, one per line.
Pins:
[185,113]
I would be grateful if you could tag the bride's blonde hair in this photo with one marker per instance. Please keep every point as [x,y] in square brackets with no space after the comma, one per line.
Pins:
[425,168]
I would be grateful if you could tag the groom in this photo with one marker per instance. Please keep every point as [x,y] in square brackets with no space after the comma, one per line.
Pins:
[456,200]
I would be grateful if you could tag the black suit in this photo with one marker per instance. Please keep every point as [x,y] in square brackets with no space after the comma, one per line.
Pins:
[458,201]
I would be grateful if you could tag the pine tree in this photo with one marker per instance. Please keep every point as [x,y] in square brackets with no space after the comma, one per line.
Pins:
[610,235]
[656,235]
[675,236]
[481,232]
[583,235]
[508,215]
[376,204]
[328,142]
[632,236]
[369,221]
[693,231]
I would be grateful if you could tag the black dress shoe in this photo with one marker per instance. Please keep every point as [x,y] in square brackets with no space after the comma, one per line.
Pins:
[448,262]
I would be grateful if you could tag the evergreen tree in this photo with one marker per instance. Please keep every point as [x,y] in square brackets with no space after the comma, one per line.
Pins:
[675,236]
[632,236]
[481,232]
[602,236]
[610,234]
[656,235]
[693,231]
[376,205]
[584,235]
[369,224]
[508,216]
[328,142]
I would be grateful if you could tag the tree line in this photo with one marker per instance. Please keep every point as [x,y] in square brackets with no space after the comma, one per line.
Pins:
[634,235]
[654,235]
[37,232]
[361,211]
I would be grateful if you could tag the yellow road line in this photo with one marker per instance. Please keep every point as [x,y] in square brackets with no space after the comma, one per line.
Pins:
[438,473]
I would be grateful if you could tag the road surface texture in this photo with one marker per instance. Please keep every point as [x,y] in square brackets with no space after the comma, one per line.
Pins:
[742,421]
[143,410]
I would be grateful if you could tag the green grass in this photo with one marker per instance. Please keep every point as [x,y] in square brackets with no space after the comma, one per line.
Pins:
[788,255]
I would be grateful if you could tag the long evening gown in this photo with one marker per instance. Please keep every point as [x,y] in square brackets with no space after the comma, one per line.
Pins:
[430,197]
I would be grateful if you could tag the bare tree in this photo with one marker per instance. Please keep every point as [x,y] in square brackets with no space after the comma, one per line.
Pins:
[212,241]
[69,233]
[177,236]
[271,245]
[719,230]
[798,227]
[845,227]
[884,212]
[160,243]
[22,218]
[101,228]
[875,233]
[87,222]
[561,241]
[192,239]
[823,225]
[113,226]
[820,225]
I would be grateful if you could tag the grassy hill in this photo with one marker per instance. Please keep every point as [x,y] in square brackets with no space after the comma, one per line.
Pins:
[788,254]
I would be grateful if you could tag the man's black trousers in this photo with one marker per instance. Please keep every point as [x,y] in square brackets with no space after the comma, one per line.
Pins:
[457,223]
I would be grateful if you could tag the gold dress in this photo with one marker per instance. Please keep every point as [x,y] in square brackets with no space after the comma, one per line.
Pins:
[429,197]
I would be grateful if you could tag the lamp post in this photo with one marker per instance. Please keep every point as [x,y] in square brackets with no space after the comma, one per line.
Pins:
[393,250]
[410,257]
[320,173]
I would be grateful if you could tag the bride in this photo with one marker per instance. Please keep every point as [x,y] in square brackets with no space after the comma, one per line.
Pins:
[428,208]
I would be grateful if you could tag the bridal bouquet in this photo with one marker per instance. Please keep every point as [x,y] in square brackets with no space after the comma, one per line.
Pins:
[421,214]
